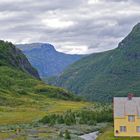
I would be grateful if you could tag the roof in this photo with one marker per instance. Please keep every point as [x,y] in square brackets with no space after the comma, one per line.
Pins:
[123,106]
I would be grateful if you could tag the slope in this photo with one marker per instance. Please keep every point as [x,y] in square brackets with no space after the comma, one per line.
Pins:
[13,57]
[18,77]
[104,75]
[23,96]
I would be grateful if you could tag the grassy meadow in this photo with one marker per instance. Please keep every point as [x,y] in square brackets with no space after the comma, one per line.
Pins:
[35,108]
[26,116]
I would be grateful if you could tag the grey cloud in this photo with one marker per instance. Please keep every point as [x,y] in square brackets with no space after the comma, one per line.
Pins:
[99,26]
[39,6]
[116,0]
[121,0]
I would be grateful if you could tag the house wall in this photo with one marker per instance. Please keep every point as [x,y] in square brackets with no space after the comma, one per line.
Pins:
[130,126]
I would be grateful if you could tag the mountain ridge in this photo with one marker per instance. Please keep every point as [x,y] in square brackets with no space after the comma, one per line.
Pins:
[102,76]
[45,58]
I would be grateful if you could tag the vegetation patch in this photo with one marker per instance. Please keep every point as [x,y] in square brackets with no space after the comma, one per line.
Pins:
[83,116]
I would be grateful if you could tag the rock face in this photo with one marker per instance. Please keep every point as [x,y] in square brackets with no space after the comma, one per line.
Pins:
[46,59]
[11,56]
[104,75]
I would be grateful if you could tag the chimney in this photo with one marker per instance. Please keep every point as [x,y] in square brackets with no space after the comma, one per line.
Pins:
[130,96]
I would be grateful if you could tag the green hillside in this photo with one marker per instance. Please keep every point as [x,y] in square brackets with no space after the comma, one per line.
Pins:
[19,77]
[23,96]
[12,57]
[104,75]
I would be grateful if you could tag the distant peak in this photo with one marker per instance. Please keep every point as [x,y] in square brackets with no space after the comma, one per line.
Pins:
[47,47]
[36,46]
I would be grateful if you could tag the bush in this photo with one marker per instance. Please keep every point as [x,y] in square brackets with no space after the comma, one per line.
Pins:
[67,135]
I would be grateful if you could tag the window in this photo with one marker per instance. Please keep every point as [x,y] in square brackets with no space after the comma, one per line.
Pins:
[122,128]
[131,118]
[138,128]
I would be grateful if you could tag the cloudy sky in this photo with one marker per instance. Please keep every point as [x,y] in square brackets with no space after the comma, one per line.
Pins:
[72,26]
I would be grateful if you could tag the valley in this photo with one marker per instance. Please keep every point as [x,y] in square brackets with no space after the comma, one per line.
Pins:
[30,109]
[101,76]
[70,70]
[46,59]
[24,98]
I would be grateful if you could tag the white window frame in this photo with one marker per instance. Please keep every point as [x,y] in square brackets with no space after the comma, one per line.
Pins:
[138,129]
[131,118]
[123,129]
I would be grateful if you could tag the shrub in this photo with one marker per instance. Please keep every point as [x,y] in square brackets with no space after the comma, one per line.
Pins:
[67,135]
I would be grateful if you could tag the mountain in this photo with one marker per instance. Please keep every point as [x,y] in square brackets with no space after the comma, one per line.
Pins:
[18,79]
[104,75]
[13,57]
[46,59]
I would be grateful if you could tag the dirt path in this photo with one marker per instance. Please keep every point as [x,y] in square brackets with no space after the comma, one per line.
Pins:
[90,136]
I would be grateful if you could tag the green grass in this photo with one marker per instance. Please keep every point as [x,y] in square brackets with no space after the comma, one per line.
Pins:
[109,135]
[35,108]
[14,82]
[24,99]
[27,114]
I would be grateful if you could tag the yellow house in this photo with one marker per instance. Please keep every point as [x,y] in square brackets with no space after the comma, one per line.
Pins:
[127,116]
